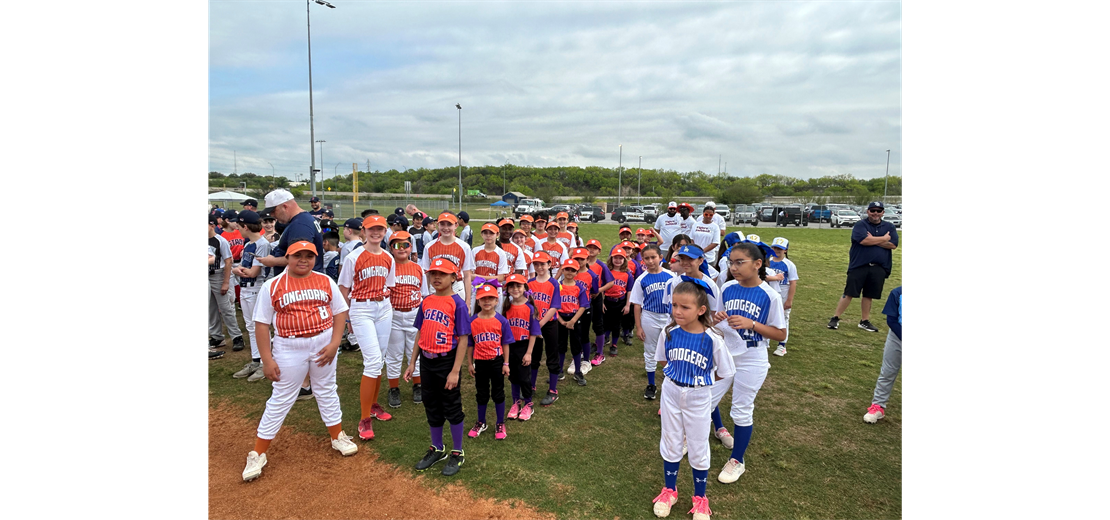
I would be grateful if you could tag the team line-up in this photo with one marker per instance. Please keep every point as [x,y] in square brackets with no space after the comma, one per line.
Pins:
[504,309]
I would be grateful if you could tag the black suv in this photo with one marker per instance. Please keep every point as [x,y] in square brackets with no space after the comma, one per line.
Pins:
[791,215]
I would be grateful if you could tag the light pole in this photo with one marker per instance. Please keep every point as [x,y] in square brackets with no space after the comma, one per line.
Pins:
[273,175]
[458,106]
[885,175]
[311,126]
[639,178]
[620,172]
[321,141]
[334,174]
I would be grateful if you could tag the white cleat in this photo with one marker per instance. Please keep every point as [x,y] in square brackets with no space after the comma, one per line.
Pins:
[255,463]
[781,351]
[343,445]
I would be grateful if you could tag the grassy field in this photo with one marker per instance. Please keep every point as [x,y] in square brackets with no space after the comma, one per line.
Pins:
[595,453]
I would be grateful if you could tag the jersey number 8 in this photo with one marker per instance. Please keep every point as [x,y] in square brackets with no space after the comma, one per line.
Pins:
[323,312]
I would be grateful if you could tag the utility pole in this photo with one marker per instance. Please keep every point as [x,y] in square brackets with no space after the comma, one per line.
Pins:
[620,172]
[885,175]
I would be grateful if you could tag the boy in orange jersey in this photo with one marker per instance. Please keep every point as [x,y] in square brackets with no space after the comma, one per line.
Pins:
[302,305]
[405,297]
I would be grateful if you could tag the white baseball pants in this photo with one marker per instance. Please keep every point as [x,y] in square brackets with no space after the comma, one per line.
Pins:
[402,338]
[294,356]
[786,318]
[653,324]
[371,322]
[248,296]
[751,370]
[686,413]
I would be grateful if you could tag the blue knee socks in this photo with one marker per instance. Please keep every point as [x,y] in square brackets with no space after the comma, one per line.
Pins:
[701,477]
[651,378]
[482,413]
[743,435]
[670,475]
[717,423]
[500,407]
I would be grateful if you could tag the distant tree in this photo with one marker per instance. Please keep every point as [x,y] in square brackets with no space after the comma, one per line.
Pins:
[215,175]
[743,191]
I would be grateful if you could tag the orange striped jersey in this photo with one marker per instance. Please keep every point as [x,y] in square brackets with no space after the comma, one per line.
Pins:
[566,238]
[532,243]
[441,320]
[545,294]
[405,294]
[457,252]
[299,306]
[489,264]
[516,261]
[620,285]
[488,335]
[522,321]
[573,296]
[540,236]
[368,275]
[557,251]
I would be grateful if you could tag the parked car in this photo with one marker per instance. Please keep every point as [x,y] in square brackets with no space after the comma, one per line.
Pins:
[791,215]
[819,214]
[623,214]
[722,210]
[893,219]
[745,214]
[591,213]
[650,214]
[845,217]
[767,214]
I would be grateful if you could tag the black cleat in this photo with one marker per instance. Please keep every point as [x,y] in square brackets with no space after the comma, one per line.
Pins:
[213,342]
[552,396]
[394,397]
[834,322]
[613,350]
[866,325]
[237,344]
[417,397]
[454,461]
[304,393]
[581,379]
[433,456]
[649,392]
[215,354]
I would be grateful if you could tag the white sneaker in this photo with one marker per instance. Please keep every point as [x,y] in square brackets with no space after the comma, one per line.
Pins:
[731,472]
[247,370]
[586,366]
[684,450]
[781,351]
[343,445]
[570,369]
[724,436]
[257,374]
[255,463]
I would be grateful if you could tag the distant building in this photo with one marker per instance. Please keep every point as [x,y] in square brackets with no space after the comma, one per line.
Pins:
[513,197]
[293,184]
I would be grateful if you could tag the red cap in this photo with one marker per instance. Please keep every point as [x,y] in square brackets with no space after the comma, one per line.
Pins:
[485,291]
[516,278]
[443,266]
[541,257]
[642,231]
[489,227]
[569,264]
[627,244]
[373,221]
[551,224]
[572,225]
[593,242]
[579,252]
[619,252]
[303,245]
[624,228]
[521,231]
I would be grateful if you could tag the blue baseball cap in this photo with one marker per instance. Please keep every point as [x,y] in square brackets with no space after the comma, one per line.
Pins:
[314,199]
[249,217]
[876,204]
[353,223]
[231,215]
[732,238]
[691,252]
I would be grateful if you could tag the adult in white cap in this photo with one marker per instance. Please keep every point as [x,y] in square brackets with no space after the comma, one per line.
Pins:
[667,226]
[717,218]
[299,225]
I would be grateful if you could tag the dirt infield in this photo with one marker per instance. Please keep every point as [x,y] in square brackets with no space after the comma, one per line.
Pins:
[305,478]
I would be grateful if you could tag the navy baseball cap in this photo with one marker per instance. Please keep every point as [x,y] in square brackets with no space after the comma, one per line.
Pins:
[464,216]
[249,217]
[314,199]
[231,215]
[399,211]
[212,219]
[267,214]
[404,222]
[353,223]
[249,202]
[691,252]
[876,204]
[427,220]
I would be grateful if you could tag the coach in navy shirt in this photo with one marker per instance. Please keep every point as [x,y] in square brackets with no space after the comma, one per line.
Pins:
[299,225]
[869,263]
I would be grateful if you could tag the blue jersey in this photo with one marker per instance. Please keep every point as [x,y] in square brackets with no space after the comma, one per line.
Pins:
[752,302]
[689,358]
[893,311]
[652,291]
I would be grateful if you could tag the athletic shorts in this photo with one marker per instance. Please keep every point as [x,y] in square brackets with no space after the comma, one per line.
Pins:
[867,279]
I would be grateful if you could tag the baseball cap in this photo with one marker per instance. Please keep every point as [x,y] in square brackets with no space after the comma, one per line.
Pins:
[527,218]
[672,204]
[400,235]
[541,257]
[404,222]
[353,223]
[213,219]
[618,252]
[249,202]
[443,266]
[516,278]
[780,242]
[569,264]
[464,216]
[691,252]
[733,238]
[267,214]
[231,215]
[327,223]
[448,217]
[390,218]
[399,211]
[249,217]
[488,226]
[485,291]
[593,242]
[426,221]
[373,221]
[518,230]
[303,245]
[505,222]
[572,225]
[314,199]
[685,205]
[753,238]
[876,204]
[625,228]
[711,204]
[551,225]
[642,231]
[277,197]
[561,214]
[579,252]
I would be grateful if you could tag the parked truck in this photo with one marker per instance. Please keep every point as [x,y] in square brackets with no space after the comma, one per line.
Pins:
[528,207]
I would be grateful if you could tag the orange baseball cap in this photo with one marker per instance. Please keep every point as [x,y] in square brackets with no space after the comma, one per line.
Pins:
[488,226]
[619,252]
[443,266]
[562,214]
[373,221]
[541,257]
[540,220]
[485,291]
[628,244]
[303,245]
[551,224]
[527,218]
[400,235]
[448,217]
[642,231]
[625,228]
[579,252]
[569,264]
[516,278]
[593,242]
[572,225]
[505,222]
[521,231]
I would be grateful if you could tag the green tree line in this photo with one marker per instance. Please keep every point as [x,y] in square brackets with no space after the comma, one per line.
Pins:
[586,182]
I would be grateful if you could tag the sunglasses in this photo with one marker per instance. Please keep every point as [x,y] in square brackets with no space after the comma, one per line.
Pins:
[875,210]
[400,245]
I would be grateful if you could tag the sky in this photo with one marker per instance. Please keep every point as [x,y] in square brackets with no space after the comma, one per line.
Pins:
[803,89]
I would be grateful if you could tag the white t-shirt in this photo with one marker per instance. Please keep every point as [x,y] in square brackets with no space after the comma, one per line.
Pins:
[705,235]
[668,227]
[688,224]
[720,221]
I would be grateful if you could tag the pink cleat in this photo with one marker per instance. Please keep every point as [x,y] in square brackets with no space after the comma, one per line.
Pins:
[500,434]
[701,508]
[526,412]
[664,501]
[514,411]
